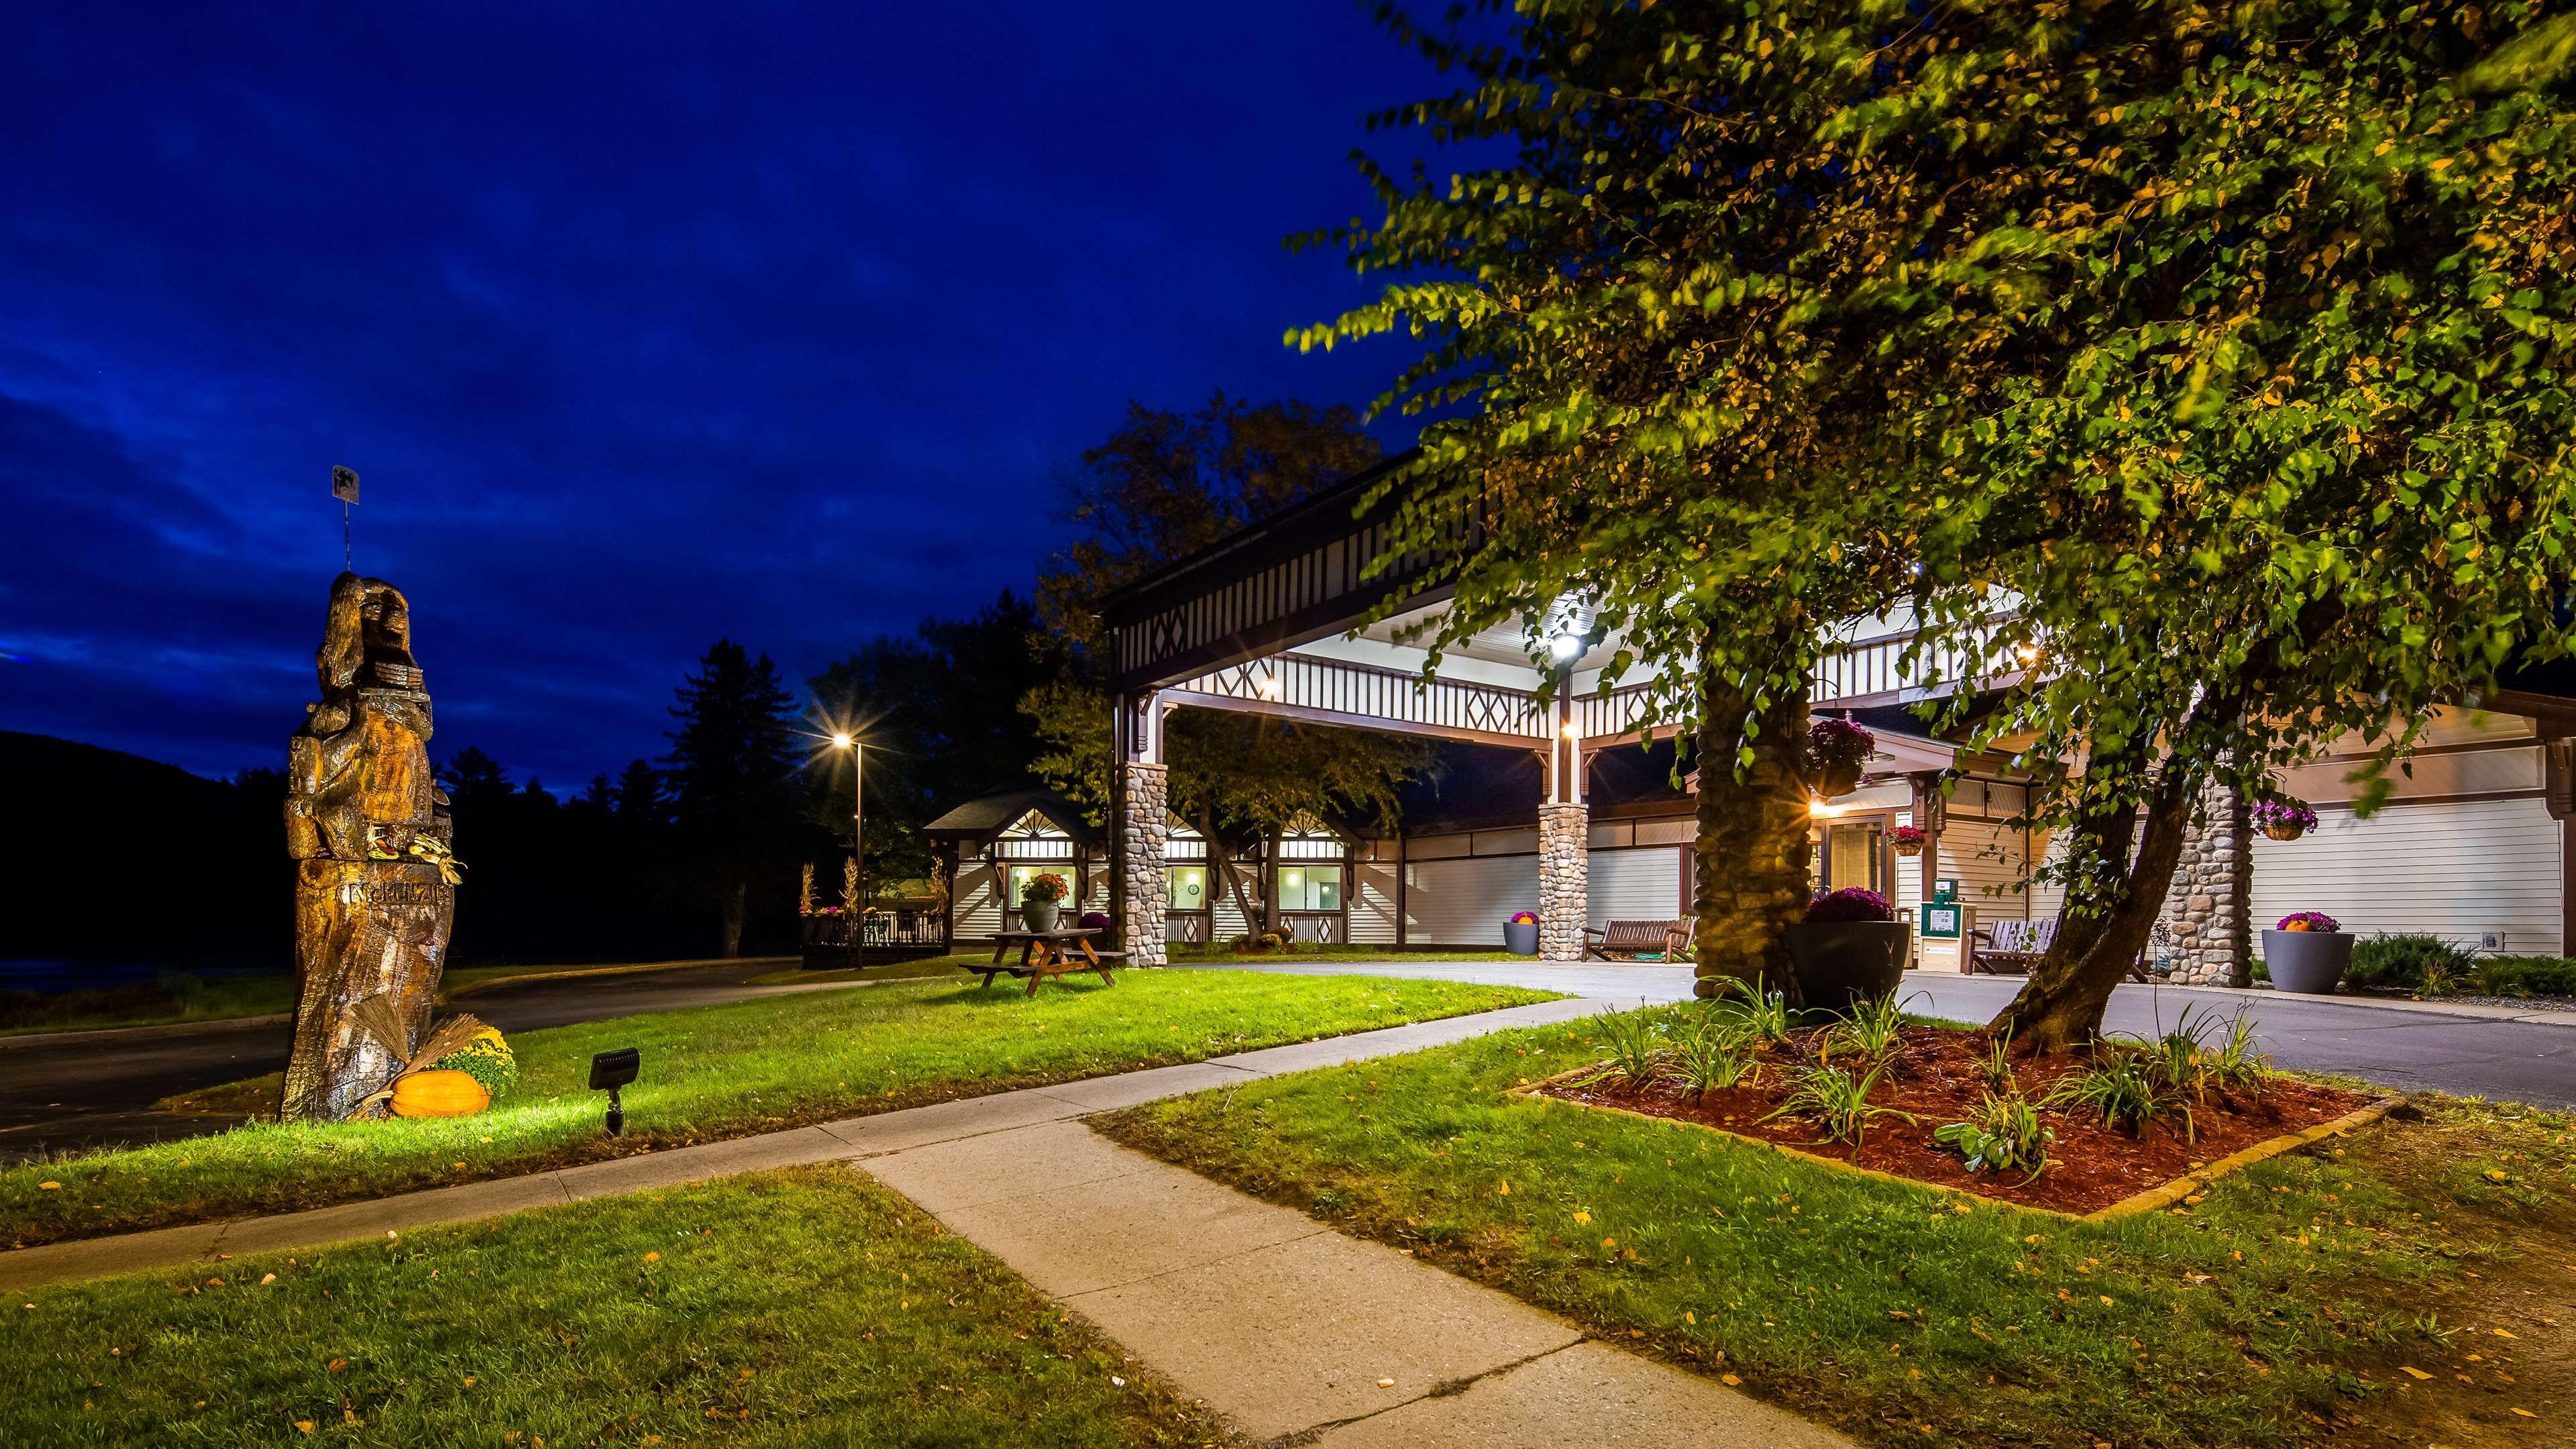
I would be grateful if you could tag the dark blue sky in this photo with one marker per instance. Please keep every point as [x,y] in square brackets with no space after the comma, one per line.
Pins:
[644,323]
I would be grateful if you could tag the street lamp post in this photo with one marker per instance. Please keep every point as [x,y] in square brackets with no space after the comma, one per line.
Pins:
[858,813]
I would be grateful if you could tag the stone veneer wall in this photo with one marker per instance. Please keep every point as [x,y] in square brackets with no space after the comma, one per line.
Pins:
[2208,907]
[1564,880]
[1142,829]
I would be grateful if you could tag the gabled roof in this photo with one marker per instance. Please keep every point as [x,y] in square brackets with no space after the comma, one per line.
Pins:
[990,815]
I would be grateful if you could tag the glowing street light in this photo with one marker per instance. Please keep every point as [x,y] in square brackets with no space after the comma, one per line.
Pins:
[844,740]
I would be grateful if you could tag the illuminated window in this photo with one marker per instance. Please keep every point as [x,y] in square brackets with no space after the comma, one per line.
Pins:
[1188,885]
[1310,887]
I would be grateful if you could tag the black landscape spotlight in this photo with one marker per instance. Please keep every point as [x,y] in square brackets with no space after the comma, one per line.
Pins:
[608,1072]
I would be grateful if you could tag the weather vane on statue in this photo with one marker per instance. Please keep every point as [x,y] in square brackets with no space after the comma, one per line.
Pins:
[344,486]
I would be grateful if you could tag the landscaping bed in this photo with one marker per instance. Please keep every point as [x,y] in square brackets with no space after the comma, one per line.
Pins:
[809,1306]
[1937,1076]
[717,1072]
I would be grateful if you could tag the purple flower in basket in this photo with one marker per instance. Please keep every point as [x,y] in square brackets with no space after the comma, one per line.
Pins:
[2268,813]
[1851,903]
[1093,921]
[1835,743]
[2308,921]
[1524,918]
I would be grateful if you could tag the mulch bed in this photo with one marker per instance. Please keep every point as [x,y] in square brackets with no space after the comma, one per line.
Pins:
[1936,1076]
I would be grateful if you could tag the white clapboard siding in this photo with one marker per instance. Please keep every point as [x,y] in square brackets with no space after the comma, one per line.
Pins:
[2464,772]
[2456,869]
[2048,897]
[978,895]
[1226,918]
[1372,903]
[1986,860]
[1634,885]
[1465,902]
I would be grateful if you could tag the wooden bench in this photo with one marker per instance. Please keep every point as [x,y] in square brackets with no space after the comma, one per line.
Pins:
[1637,938]
[2011,947]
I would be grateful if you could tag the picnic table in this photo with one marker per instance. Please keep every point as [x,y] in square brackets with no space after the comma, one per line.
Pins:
[1047,953]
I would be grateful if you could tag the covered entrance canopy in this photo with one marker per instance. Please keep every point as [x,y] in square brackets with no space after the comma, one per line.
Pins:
[1274,620]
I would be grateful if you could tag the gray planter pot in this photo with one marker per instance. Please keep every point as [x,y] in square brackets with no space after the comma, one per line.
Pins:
[1841,962]
[1037,916]
[1520,939]
[2308,962]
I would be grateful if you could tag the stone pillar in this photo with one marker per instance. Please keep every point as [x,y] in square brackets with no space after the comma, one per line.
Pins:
[1564,879]
[1144,824]
[2209,906]
[1140,803]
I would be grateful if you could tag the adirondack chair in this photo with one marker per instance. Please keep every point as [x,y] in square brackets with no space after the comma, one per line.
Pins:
[2011,947]
[1636,938]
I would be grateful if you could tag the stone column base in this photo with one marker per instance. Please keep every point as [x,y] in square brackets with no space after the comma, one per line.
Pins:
[1564,880]
[2208,906]
[1142,828]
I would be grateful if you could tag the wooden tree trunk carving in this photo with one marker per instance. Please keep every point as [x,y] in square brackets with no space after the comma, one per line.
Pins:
[375,880]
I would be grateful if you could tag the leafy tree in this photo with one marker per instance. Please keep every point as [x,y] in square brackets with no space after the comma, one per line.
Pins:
[1167,484]
[2226,341]
[2282,449]
[734,771]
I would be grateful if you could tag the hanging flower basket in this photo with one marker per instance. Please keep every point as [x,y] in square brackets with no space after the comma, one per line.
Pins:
[1837,751]
[2284,819]
[1908,840]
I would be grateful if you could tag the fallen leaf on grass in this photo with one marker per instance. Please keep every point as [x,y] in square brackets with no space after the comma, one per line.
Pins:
[2413,1373]
[1730,1380]
[47,1186]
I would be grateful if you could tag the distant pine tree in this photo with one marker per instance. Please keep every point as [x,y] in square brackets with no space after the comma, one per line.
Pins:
[733,771]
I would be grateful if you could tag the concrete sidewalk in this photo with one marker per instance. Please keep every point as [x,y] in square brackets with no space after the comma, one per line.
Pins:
[1294,1332]
[855,1137]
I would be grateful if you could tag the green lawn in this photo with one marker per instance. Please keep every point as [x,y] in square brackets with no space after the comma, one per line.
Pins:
[2305,1286]
[183,996]
[722,1071]
[790,1308]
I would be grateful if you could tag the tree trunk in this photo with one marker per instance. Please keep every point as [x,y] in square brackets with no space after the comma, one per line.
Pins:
[1754,874]
[2060,1007]
[1223,863]
[734,904]
[1270,881]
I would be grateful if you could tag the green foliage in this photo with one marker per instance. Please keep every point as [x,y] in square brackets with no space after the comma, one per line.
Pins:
[2002,1134]
[1710,1055]
[1636,1044]
[2125,1089]
[487,1059]
[1871,1030]
[2524,976]
[1761,1016]
[2236,1064]
[2401,961]
[1836,1102]
[1995,1064]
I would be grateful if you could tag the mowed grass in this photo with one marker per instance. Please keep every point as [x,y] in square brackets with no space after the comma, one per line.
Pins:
[2293,1298]
[801,1307]
[721,1071]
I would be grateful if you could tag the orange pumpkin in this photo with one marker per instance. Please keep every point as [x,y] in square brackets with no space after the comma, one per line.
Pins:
[2296,926]
[439,1094]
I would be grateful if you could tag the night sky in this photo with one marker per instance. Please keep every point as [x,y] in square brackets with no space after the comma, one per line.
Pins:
[644,324]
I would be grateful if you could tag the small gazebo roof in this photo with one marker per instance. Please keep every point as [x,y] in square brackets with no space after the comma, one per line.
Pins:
[990,815]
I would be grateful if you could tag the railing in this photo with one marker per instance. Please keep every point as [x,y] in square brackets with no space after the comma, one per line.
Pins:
[1187,928]
[1315,927]
[908,927]
[1366,693]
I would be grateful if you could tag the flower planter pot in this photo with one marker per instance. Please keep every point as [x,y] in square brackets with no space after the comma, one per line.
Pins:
[2308,962]
[2285,832]
[1520,938]
[1838,963]
[1039,915]
[1909,851]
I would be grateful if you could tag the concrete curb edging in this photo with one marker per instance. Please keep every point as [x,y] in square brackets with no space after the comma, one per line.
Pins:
[2160,1196]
